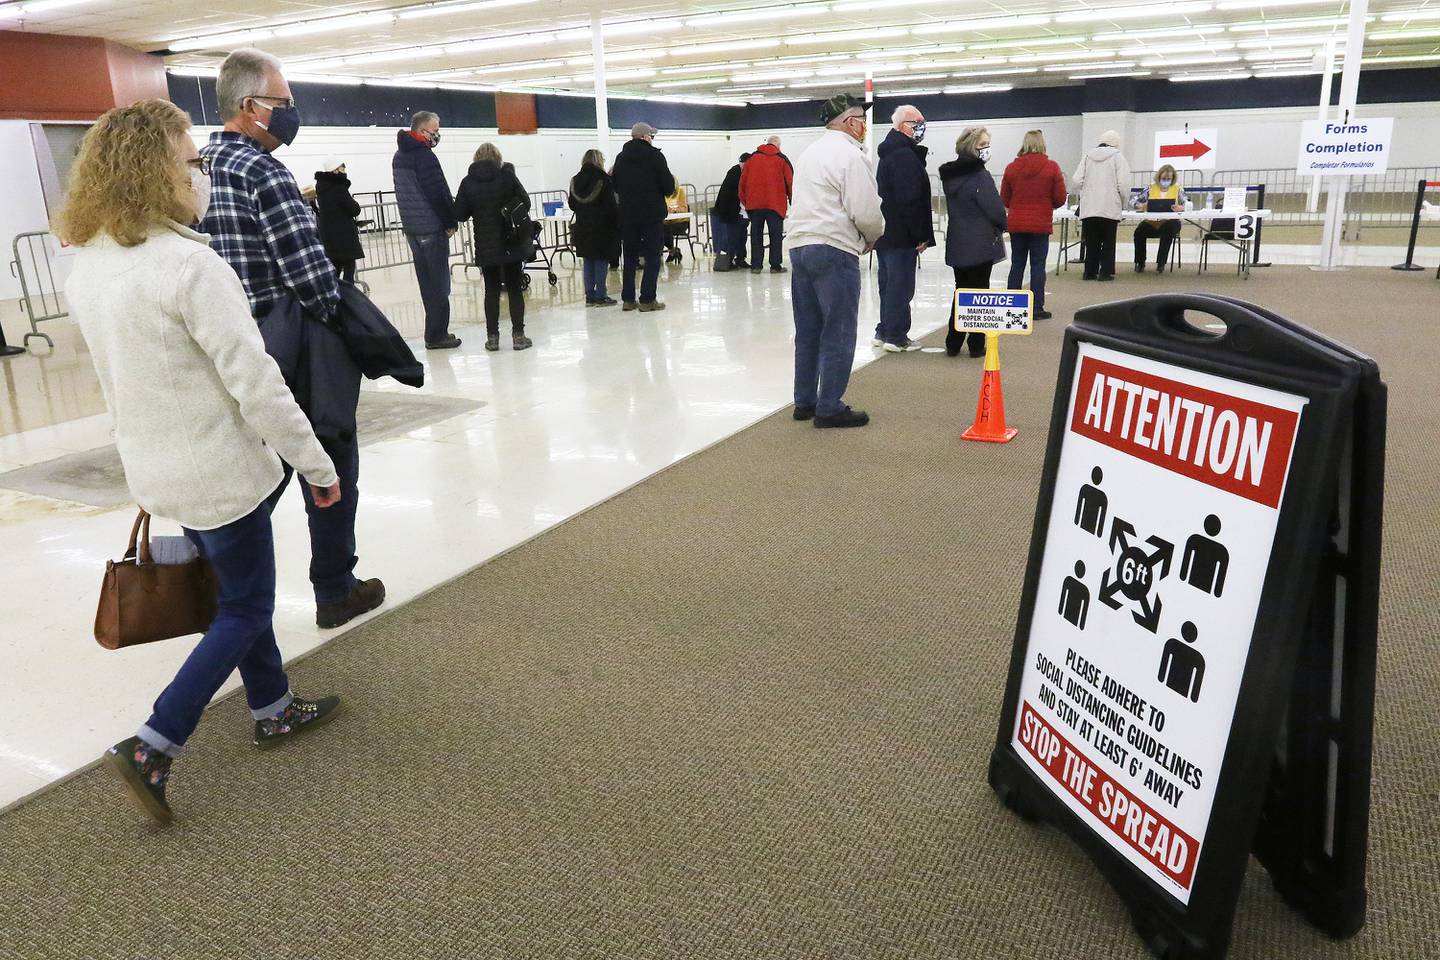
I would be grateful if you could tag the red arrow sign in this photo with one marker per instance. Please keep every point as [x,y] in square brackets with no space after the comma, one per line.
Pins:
[1194,150]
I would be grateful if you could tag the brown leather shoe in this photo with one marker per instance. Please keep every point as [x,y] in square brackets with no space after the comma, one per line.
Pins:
[367,595]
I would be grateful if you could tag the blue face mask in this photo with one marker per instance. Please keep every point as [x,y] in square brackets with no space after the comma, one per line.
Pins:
[1166,184]
[284,124]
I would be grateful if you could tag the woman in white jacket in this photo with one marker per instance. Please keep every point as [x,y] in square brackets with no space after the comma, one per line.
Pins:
[200,411]
[1103,180]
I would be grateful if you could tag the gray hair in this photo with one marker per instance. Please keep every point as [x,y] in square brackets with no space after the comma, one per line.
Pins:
[422,117]
[486,151]
[243,74]
[902,113]
[969,140]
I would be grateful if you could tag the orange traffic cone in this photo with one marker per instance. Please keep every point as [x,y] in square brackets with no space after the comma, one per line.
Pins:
[990,411]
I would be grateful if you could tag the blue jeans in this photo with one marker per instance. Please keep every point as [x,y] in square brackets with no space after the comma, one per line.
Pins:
[241,635]
[594,272]
[897,289]
[1037,247]
[641,240]
[759,220]
[825,296]
[729,237]
[431,252]
[332,530]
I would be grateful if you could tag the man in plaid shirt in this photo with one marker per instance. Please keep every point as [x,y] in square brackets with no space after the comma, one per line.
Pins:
[258,222]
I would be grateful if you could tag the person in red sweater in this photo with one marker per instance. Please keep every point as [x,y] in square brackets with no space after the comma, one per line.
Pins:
[765,193]
[1032,188]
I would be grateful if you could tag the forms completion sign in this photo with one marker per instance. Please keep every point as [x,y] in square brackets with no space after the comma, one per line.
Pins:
[1164,514]
[1349,148]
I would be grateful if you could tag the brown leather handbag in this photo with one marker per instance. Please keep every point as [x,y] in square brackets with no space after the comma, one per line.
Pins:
[142,601]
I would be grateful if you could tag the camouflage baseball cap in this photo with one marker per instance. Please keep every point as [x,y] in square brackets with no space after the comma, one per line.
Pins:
[837,105]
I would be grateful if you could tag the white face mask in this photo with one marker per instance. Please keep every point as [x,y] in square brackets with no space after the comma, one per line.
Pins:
[200,189]
[984,154]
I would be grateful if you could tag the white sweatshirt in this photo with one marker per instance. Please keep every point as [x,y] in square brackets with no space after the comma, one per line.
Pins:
[835,198]
[196,398]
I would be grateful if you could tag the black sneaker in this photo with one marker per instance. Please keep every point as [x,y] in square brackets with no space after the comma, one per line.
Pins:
[606,302]
[1140,268]
[294,720]
[756,269]
[1043,314]
[845,418]
[144,771]
[779,269]
[367,595]
[449,343]
[804,413]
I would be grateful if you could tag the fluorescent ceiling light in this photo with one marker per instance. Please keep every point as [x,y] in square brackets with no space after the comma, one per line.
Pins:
[1107,76]
[633,28]
[901,78]
[774,75]
[238,38]
[1123,35]
[501,43]
[850,6]
[981,88]
[1185,61]
[438,9]
[1134,12]
[846,36]
[996,73]
[1270,4]
[193,71]
[759,89]
[1290,73]
[1193,77]
[703,68]
[1400,16]
[1031,42]
[627,56]
[398,82]
[1303,23]
[969,62]
[759,43]
[1162,48]
[699,82]
[931,92]
[1318,40]
[849,70]
[1056,57]
[766,100]
[307,27]
[1102,65]
[324,78]
[984,25]
[812,84]
[1423,58]
[758,15]
[1403,34]
[44,6]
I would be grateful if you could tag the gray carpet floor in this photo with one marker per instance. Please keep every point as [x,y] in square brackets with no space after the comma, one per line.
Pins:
[743,710]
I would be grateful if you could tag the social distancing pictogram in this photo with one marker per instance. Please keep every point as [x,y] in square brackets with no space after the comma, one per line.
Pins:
[1189,489]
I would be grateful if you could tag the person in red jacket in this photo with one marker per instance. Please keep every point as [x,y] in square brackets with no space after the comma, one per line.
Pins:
[1032,188]
[765,192]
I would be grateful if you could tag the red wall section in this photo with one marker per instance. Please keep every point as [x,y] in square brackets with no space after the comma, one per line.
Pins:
[52,77]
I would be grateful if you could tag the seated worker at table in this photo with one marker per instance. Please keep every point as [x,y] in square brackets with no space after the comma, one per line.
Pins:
[1166,196]
[677,202]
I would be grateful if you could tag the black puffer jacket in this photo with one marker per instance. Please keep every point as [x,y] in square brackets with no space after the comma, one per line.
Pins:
[485,190]
[595,234]
[643,180]
[338,211]
[976,231]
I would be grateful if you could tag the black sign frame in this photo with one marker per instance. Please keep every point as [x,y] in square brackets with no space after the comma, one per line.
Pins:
[1345,401]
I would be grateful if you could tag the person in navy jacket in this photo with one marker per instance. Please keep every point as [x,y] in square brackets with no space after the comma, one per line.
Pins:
[429,221]
[905,200]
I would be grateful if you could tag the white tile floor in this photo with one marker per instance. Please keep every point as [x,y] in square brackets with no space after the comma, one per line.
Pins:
[604,400]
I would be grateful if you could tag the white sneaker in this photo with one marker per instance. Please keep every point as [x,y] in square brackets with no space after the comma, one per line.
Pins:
[909,346]
[877,342]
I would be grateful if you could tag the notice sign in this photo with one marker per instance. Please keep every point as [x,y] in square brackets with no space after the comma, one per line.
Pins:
[993,311]
[1166,502]
[1334,149]
[1192,149]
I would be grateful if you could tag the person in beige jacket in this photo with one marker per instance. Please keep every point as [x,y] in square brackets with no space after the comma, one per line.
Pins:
[202,415]
[835,218]
[1103,181]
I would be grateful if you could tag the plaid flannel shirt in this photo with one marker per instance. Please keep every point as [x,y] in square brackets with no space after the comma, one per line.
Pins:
[263,228]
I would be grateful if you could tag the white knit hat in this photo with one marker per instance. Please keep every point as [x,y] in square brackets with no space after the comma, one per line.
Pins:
[331,164]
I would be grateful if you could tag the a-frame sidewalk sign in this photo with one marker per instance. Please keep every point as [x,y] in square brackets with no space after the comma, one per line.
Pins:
[1193,671]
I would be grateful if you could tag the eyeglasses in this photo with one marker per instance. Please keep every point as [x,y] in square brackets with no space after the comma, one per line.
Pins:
[200,163]
[286,102]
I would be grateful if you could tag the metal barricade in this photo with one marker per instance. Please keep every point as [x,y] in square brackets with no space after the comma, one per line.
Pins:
[706,228]
[39,293]
[384,242]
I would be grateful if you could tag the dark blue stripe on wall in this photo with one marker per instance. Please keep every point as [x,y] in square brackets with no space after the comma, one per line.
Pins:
[363,106]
